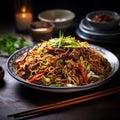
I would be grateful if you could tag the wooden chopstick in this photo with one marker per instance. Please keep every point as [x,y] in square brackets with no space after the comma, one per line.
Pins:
[65,103]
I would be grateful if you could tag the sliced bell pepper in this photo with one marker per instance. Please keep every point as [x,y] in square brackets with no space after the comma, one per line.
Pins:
[83,74]
[22,58]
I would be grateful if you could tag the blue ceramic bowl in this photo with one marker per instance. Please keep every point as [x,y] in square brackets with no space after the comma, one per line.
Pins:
[110,56]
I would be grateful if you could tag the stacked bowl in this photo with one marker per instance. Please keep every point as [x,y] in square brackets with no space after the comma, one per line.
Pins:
[100,27]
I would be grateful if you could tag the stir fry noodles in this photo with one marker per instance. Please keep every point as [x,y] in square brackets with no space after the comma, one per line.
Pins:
[62,62]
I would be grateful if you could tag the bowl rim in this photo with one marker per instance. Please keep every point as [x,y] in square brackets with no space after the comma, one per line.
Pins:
[116,14]
[56,10]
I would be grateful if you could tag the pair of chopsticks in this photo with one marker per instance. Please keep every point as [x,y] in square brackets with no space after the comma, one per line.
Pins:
[65,103]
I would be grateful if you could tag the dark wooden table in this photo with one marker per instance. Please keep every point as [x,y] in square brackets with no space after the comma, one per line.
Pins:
[16,97]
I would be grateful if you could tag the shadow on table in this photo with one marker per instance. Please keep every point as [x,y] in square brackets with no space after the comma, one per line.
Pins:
[38,97]
[2,83]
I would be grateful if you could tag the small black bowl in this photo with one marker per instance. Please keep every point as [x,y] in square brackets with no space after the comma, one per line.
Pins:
[103,19]
[2,73]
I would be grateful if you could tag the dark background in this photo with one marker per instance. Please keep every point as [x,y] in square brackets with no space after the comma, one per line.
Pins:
[81,8]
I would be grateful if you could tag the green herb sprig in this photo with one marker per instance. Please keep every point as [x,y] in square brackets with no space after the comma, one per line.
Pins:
[9,44]
[65,42]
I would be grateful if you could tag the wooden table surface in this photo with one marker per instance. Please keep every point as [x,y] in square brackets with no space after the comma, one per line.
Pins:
[16,97]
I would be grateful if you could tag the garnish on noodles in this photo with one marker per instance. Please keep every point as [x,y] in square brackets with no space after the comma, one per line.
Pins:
[62,62]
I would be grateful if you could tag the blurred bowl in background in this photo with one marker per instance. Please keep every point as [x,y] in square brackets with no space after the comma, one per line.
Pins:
[103,19]
[40,30]
[61,18]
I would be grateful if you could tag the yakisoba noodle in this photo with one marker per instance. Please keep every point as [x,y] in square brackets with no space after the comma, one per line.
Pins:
[62,62]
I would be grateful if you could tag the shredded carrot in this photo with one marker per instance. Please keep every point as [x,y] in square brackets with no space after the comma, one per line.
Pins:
[36,77]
